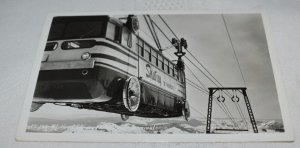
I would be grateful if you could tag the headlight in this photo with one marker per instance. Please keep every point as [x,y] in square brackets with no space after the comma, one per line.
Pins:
[85,56]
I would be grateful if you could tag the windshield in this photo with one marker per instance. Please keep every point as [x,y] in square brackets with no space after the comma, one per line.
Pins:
[77,27]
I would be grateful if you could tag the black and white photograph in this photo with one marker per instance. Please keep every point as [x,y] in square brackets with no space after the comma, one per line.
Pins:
[155,74]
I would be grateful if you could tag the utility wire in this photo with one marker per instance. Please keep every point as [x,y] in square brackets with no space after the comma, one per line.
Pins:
[191,54]
[188,52]
[226,92]
[155,39]
[241,114]
[201,71]
[204,68]
[168,26]
[244,117]
[198,111]
[162,32]
[223,107]
[195,76]
[195,86]
[226,111]
[231,43]
[240,69]
[226,108]
[154,32]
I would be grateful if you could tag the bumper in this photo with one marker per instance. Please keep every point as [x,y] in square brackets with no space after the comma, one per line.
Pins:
[68,71]
[70,81]
[68,65]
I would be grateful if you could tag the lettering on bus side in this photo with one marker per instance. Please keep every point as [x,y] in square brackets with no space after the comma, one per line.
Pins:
[152,74]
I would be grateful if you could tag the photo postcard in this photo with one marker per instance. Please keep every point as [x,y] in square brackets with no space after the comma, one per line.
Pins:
[168,77]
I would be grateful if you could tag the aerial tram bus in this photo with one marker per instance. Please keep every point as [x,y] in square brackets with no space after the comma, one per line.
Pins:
[101,63]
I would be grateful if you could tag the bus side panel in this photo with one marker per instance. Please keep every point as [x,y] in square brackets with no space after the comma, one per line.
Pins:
[154,97]
[133,59]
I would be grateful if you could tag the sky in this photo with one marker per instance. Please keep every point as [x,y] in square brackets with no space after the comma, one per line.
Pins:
[209,42]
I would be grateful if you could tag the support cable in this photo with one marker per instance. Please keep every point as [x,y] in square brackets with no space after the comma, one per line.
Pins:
[202,114]
[155,40]
[227,93]
[168,26]
[231,43]
[226,108]
[188,52]
[162,32]
[204,74]
[201,71]
[223,107]
[236,106]
[244,118]
[154,32]
[196,86]
[239,66]
[198,111]
[202,90]
[226,111]
[195,76]
[204,68]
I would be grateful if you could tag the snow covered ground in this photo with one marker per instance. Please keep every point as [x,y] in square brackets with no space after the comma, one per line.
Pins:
[137,125]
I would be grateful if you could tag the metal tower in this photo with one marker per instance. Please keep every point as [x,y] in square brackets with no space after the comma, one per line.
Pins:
[242,90]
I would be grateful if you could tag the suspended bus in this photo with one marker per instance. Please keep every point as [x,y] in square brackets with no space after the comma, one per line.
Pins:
[101,63]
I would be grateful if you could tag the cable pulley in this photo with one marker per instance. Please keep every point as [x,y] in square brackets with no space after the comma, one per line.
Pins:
[234,97]
[221,98]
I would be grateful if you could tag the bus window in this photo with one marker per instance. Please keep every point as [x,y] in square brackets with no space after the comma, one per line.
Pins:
[171,69]
[147,52]
[160,62]
[135,44]
[51,46]
[78,44]
[175,73]
[56,31]
[126,38]
[166,67]
[154,57]
[111,31]
[114,32]
[77,27]
[140,46]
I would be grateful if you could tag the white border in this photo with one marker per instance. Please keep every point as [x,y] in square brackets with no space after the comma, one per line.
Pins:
[22,135]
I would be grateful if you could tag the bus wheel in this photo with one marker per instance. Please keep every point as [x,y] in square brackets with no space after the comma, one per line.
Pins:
[124,117]
[132,94]
[186,110]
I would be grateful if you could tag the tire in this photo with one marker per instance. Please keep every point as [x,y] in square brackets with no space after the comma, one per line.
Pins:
[124,117]
[132,94]
[115,88]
